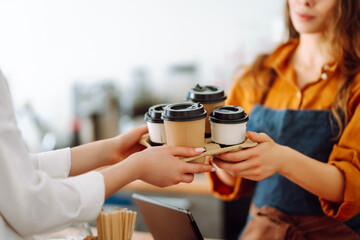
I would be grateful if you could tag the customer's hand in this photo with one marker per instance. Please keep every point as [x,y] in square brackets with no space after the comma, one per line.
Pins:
[159,166]
[122,146]
[256,163]
[105,152]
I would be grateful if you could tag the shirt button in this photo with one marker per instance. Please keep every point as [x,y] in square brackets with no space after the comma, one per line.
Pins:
[298,94]
[324,76]
[326,67]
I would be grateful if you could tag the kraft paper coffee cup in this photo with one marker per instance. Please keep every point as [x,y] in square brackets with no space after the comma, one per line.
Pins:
[210,97]
[156,124]
[185,125]
[228,125]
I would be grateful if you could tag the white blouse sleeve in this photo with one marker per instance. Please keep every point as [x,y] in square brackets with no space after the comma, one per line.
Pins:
[31,201]
[56,163]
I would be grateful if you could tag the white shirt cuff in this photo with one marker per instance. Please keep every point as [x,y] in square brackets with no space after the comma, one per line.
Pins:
[56,163]
[92,194]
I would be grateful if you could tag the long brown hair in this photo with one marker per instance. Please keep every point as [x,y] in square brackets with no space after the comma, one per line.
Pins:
[344,45]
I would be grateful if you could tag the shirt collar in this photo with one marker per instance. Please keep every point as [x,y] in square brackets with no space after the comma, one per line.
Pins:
[279,60]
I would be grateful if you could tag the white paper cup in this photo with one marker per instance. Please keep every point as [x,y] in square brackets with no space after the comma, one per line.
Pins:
[228,134]
[228,125]
[156,124]
[157,132]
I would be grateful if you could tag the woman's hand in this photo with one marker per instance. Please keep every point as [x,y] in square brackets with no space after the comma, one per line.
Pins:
[159,166]
[125,144]
[105,152]
[255,163]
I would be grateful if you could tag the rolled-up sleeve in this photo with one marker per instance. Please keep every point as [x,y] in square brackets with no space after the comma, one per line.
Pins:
[32,202]
[351,204]
[346,157]
[241,187]
[56,163]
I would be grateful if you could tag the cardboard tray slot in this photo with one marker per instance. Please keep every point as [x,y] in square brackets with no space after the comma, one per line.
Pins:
[211,148]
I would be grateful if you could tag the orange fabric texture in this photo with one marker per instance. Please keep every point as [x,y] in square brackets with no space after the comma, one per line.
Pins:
[317,95]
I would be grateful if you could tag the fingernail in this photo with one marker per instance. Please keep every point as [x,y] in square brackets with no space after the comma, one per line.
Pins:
[213,169]
[199,149]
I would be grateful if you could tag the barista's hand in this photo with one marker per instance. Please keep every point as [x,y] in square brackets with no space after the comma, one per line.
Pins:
[159,166]
[256,163]
[125,144]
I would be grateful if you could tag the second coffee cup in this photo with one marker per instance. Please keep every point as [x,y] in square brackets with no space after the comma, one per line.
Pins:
[185,124]
[210,97]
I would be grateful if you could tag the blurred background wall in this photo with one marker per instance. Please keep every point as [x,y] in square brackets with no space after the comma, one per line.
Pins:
[66,59]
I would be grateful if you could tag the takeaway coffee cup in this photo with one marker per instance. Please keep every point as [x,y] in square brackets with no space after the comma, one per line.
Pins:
[156,124]
[228,125]
[184,124]
[210,97]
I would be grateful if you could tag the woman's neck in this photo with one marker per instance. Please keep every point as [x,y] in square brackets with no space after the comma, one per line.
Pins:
[309,58]
[312,52]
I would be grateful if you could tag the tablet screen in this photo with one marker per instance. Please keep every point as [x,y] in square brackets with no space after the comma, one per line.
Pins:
[165,221]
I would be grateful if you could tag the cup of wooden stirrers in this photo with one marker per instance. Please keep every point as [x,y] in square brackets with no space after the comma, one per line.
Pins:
[116,225]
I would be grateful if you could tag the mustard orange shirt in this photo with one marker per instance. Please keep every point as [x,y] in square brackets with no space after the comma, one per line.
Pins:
[318,95]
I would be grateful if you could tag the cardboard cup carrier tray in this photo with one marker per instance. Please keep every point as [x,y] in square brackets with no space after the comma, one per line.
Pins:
[211,148]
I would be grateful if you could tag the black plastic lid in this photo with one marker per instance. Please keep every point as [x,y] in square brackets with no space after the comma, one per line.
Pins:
[229,114]
[182,112]
[205,94]
[154,113]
